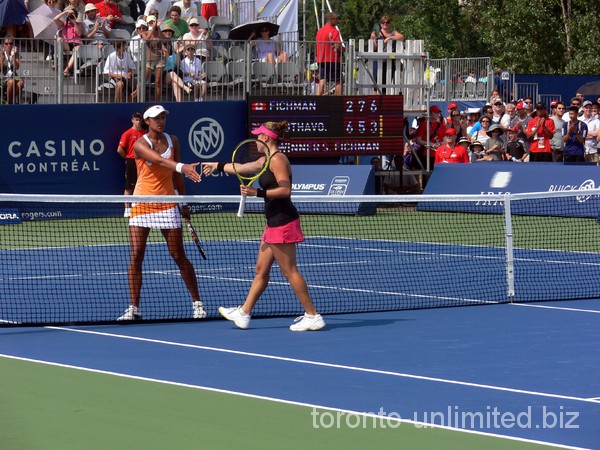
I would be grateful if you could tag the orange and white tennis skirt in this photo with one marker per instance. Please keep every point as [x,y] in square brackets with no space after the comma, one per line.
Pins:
[155,215]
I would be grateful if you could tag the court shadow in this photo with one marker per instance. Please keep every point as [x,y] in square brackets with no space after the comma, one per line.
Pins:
[359,323]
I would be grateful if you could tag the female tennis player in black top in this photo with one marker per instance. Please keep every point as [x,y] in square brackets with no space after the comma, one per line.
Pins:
[281,234]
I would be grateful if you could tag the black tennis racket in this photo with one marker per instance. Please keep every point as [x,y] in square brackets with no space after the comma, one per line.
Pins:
[250,159]
[194,235]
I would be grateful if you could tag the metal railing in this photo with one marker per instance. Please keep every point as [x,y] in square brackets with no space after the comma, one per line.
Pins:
[232,71]
[468,79]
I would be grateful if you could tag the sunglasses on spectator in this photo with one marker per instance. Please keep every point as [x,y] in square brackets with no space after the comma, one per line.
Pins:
[194,25]
[485,121]
[8,43]
[385,22]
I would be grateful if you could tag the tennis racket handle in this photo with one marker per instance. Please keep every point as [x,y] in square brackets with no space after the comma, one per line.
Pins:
[242,206]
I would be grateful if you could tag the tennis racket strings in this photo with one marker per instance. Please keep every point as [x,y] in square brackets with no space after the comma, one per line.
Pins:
[250,159]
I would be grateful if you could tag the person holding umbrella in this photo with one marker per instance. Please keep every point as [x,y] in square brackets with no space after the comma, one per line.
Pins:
[267,50]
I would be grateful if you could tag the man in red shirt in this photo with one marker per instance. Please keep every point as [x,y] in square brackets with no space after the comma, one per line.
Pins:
[540,130]
[125,149]
[449,152]
[329,49]
[110,11]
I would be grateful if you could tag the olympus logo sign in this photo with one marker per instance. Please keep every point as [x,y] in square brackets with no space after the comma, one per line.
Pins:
[206,138]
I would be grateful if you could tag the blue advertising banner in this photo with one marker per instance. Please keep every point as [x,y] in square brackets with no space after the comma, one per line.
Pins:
[509,177]
[72,149]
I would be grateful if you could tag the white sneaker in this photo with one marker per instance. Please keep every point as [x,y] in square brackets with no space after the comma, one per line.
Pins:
[237,316]
[199,312]
[127,212]
[131,313]
[308,323]
[50,57]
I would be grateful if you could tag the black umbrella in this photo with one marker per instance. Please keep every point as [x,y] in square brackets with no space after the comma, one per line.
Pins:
[12,12]
[592,88]
[243,32]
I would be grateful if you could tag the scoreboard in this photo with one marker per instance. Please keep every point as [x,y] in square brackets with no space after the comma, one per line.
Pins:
[334,125]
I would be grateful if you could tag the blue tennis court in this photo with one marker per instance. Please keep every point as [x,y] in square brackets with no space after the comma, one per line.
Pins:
[526,372]
[89,283]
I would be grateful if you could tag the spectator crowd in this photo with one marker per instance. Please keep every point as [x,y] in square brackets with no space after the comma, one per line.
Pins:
[517,131]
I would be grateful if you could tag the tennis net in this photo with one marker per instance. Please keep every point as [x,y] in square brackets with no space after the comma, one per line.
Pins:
[65,259]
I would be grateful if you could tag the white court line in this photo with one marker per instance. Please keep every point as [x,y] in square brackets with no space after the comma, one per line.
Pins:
[556,307]
[291,402]
[329,365]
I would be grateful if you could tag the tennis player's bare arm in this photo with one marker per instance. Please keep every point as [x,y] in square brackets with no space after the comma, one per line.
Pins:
[281,168]
[142,150]
[246,169]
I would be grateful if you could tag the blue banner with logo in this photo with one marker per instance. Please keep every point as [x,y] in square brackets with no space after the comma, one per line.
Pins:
[72,149]
[500,178]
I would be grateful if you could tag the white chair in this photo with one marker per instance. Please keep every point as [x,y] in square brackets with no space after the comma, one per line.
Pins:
[469,89]
[221,26]
[236,53]
[237,73]
[263,74]
[202,22]
[216,74]
[87,58]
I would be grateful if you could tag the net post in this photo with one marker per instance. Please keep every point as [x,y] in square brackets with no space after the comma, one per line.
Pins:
[508,236]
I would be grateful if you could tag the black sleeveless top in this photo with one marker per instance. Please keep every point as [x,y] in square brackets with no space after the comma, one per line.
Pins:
[278,211]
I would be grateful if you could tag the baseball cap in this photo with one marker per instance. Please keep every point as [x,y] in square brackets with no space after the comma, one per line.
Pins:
[553,103]
[452,105]
[141,23]
[167,27]
[90,7]
[474,110]
[587,103]
[497,100]
[193,21]
[450,132]
[514,129]
[154,111]
[150,18]
[435,109]
[519,105]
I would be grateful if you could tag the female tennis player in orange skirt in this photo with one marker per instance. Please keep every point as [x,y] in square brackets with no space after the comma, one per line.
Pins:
[281,234]
[157,158]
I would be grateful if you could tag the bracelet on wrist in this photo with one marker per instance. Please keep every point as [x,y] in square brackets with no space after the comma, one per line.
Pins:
[221,166]
[179,167]
[262,193]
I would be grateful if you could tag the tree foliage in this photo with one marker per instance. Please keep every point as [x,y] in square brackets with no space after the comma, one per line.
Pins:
[523,36]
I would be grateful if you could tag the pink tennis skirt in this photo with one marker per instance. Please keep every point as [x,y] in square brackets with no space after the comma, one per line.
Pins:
[289,233]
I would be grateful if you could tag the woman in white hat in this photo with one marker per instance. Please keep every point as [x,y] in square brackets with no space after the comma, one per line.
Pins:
[160,172]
